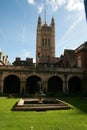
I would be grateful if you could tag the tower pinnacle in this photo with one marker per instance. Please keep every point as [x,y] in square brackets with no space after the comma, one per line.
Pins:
[52,21]
[39,20]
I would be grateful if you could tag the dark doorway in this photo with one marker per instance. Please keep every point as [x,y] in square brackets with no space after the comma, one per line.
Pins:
[55,85]
[12,85]
[74,85]
[32,84]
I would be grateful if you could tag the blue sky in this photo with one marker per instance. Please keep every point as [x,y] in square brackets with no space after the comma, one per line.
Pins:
[18,22]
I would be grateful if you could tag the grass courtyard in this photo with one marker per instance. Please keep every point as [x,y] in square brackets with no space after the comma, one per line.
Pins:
[74,119]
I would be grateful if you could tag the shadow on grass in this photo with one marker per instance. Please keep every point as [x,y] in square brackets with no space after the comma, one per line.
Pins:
[79,103]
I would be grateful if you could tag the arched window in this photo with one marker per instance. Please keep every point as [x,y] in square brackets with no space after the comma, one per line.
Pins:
[42,42]
[48,43]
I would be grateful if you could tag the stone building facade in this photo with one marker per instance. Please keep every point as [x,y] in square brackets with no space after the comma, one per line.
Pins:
[3,59]
[27,62]
[66,74]
[81,55]
[23,80]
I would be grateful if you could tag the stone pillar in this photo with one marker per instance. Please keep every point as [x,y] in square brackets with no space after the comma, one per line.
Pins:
[44,86]
[1,83]
[65,85]
[1,86]
[23,86]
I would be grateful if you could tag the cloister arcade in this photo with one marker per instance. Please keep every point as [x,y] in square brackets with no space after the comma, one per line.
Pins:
[14,84]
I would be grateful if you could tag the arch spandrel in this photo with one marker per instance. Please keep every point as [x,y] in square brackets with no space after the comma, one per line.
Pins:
[61,76]
[8,74]
[69,76]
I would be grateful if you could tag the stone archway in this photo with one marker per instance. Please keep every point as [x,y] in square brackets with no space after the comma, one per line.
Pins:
[74,85]
[55,85]
[11,85]
[32,84]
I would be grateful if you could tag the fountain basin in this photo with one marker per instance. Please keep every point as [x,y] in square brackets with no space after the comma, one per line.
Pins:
[32,104]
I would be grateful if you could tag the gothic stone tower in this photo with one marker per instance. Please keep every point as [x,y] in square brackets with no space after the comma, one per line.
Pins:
[45,41]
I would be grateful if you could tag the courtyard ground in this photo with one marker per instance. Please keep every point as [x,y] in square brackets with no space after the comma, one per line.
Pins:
[74,119]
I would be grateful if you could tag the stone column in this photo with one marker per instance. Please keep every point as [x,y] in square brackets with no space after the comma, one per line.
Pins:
[23,86]
[1,86]
[44,86]
[65,85]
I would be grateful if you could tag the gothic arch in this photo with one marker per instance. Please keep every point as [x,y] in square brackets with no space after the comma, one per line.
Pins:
[74,85]
[32,84]
[11,85]
[8,74]
[55,84]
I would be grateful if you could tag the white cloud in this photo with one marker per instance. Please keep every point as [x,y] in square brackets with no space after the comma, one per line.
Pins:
[40,8]
[31,2]
[61,2]
[70,5]
[53,3]
[74,5]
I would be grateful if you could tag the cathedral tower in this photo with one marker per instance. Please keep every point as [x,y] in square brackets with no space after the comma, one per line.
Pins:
[45,41]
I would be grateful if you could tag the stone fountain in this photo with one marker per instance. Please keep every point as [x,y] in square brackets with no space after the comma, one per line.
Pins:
[40,102]
[39,94]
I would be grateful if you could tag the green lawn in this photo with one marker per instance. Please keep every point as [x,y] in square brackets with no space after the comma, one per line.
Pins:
[74,119]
